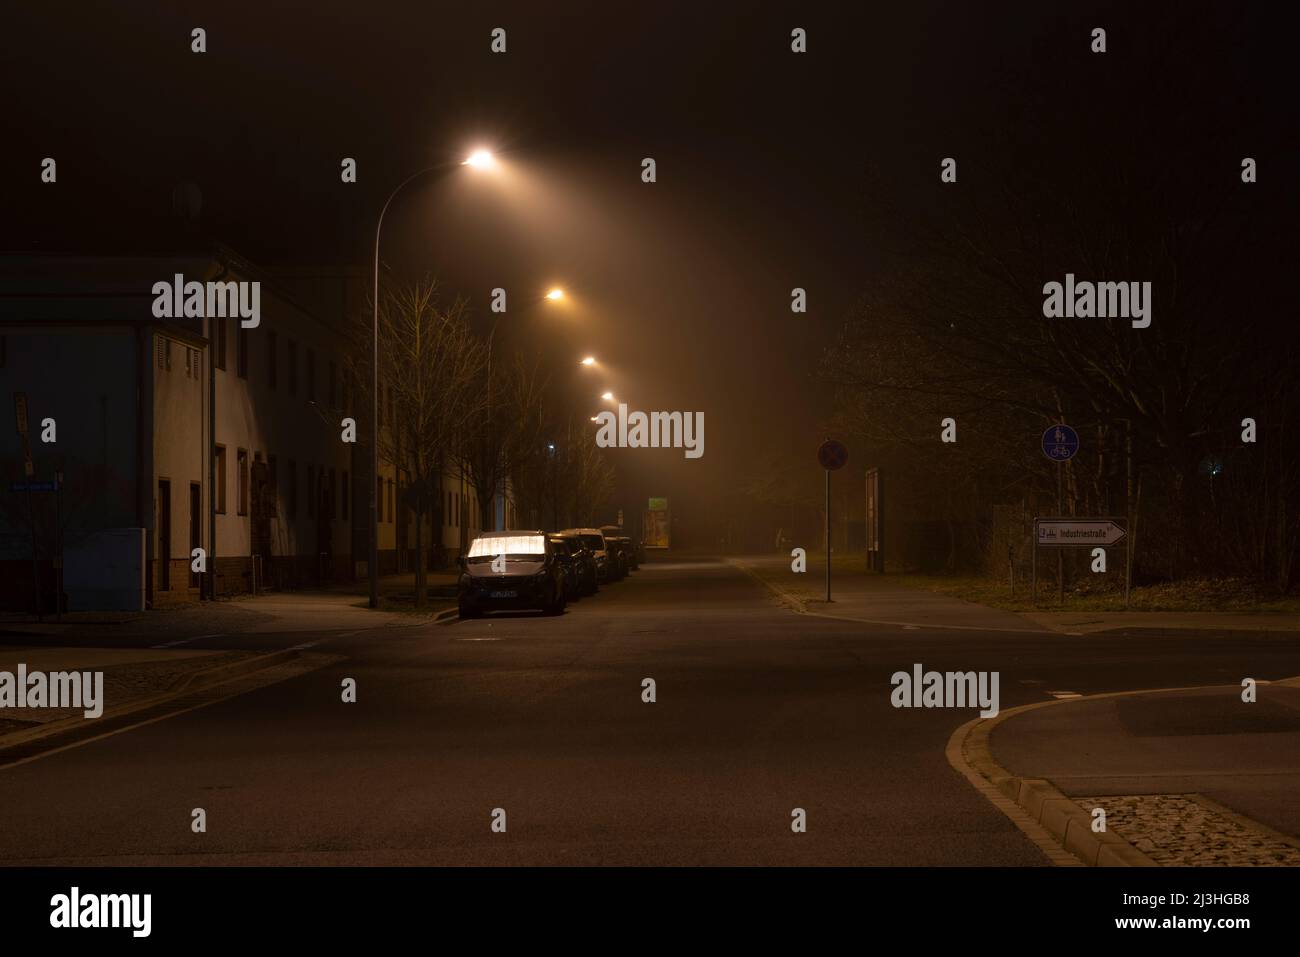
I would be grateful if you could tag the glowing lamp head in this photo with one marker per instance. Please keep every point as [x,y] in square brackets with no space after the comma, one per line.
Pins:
[481,159]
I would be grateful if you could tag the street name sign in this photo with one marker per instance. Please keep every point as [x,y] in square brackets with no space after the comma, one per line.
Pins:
[1078,532]
[33,486]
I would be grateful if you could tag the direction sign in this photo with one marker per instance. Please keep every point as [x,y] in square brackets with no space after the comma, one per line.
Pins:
[832,455]
[1060,443]
[1077,532]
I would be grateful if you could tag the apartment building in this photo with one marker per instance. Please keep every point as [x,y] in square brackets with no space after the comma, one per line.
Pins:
[180,434]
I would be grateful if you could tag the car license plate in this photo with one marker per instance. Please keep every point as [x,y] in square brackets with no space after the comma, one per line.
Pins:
[505,594]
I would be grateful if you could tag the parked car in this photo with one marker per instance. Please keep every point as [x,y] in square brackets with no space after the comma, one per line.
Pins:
[509,570]
[594,540]
[573,583]
[584,560]
[623,544]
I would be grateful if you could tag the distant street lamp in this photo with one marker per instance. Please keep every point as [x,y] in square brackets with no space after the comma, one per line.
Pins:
[479,159]
[555,294]
[589,361]
[608,396]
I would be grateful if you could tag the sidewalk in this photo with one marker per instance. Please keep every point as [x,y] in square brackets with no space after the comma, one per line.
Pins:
[336,609]
[875,598]
[1224,623]
[1189,777]
[863,596]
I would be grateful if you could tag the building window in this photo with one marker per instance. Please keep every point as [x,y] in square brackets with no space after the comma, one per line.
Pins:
[219,335]
[272,360]
[344,497]
[241,462]
[293,489]
[291,359]
[311,491]
[241,358]
[392,502]
[221,479]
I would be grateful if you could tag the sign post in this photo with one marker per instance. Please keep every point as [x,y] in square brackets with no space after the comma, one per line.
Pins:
[20,422]
[1060,444]
[832,455]
[1068,532]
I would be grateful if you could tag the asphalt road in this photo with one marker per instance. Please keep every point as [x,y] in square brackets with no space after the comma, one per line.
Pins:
[758,711]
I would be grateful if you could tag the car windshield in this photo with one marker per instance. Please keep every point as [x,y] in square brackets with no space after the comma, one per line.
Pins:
[528,548]
[594,542]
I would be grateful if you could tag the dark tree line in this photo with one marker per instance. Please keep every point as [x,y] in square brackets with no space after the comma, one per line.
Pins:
[1109,186]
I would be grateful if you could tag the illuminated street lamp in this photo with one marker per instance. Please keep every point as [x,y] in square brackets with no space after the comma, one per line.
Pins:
[589,361]
[554,295]
[608,396]
[479,159]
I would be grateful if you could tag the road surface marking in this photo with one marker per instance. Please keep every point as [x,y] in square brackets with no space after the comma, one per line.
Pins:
[185,641]
[1065,694]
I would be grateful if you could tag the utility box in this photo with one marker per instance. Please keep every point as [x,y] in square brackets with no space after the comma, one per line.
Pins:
[105,571]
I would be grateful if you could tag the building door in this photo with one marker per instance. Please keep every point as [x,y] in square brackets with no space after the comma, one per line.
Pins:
[164,549]
[196,529]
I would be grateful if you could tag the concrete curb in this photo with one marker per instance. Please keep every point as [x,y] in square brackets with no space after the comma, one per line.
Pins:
[800,606]
[1070,825]
[20,744]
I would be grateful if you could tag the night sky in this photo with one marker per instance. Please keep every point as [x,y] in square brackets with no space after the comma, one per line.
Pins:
[774,169]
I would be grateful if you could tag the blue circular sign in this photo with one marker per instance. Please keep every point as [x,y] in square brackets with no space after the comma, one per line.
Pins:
[1060,443]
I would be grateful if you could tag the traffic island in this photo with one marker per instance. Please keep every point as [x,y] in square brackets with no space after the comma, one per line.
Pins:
[1164,777]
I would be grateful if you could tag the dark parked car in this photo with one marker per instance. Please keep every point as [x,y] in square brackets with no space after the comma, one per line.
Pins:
[594,540]
[509,570]
[623,544]
[584,561]
[573,583]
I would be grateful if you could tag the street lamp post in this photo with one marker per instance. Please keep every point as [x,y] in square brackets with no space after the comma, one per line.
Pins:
[479,159]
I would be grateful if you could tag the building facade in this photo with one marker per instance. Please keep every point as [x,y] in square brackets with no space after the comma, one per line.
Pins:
[199,433]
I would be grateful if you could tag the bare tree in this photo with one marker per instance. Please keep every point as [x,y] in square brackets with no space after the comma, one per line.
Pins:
[430,368]
[507,429]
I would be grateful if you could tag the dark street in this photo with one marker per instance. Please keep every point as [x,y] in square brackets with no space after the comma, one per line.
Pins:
[758,711]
